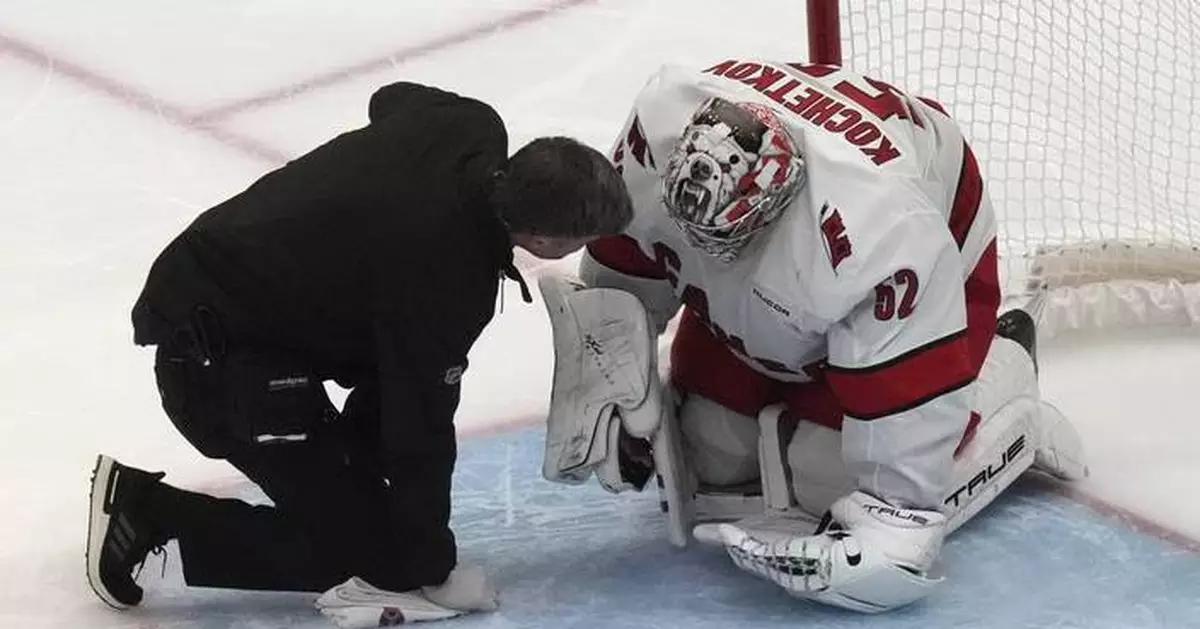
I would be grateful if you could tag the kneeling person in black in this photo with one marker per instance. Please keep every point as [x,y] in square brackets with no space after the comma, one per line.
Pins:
[373,260]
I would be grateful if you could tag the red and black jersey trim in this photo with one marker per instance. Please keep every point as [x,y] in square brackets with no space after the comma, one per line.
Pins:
[967,197]
[904,382]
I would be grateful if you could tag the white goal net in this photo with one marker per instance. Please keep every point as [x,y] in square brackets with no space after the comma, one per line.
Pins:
[1085,117]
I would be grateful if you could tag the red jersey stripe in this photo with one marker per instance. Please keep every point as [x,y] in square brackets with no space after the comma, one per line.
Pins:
[905,382]
[966,198]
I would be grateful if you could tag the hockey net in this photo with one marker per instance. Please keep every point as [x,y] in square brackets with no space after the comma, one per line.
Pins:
[1085,117]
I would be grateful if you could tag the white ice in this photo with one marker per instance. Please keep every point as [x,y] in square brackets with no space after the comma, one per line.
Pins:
[105,154]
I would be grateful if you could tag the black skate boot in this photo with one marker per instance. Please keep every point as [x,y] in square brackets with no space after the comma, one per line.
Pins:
[120,536]
[1017,325]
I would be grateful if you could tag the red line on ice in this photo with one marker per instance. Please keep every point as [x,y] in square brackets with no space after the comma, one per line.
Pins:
[465,36]
[206,123]
[135,98]
[1139,523]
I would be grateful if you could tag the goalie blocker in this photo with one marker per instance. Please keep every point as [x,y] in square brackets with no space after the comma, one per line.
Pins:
[608,416]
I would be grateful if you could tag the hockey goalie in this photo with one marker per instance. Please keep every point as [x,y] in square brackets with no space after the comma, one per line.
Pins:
[841,391]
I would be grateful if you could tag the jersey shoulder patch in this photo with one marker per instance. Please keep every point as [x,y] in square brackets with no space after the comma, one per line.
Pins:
[837,243]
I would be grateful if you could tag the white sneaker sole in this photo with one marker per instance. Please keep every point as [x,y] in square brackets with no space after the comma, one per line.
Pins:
[98,527]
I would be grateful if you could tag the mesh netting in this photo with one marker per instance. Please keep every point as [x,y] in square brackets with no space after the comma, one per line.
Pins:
[1084,116]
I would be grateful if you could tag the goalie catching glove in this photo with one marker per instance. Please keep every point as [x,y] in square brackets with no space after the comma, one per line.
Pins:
[867,556]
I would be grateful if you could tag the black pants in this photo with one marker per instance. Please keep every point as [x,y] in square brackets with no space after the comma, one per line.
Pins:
[330,514]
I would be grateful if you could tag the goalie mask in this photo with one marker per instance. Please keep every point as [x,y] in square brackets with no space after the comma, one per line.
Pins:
[731,174]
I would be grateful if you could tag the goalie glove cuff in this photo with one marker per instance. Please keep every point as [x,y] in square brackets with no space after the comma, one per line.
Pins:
[868,556]
[911,538]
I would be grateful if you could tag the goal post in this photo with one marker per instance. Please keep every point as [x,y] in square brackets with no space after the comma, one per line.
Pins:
[1085,118]
[824,32]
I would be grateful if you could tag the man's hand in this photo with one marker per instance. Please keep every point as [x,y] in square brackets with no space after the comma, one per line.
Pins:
[467,589]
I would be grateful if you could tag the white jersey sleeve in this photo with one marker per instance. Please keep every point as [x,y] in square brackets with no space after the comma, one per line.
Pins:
[639,152]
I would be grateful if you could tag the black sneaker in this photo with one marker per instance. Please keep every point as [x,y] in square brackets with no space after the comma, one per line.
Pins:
[118,540]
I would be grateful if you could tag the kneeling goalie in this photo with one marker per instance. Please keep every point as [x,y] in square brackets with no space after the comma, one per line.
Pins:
[841,393]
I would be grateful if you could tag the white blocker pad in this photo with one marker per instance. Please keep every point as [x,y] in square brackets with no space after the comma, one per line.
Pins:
[605,370]
[604,363]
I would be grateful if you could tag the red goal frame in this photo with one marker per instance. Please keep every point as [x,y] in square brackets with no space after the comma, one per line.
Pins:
[824,33]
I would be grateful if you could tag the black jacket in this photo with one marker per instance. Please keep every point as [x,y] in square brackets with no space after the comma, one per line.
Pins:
[375,255]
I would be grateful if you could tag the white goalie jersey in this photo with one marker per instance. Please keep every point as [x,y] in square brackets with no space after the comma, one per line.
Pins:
[868,280]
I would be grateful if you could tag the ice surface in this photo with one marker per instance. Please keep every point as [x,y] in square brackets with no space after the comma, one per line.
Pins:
[577,557]
[118,123]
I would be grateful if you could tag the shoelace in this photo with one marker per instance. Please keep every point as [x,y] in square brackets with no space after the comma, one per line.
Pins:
[156,550]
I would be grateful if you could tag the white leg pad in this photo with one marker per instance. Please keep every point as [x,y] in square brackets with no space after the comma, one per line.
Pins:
[675,484]
[819,475]
[1017,430]
[775,428]
[721,445]
[1002,449]
[1060,449]
[721,448]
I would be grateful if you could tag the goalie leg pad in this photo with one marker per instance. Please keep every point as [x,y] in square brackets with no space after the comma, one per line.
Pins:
[1003,445]
[1001,450]
[1010,372]
[819,474]
[775,431]
[604,370]
[676,485]
[1060,449]
[721,445]
[1017,430]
